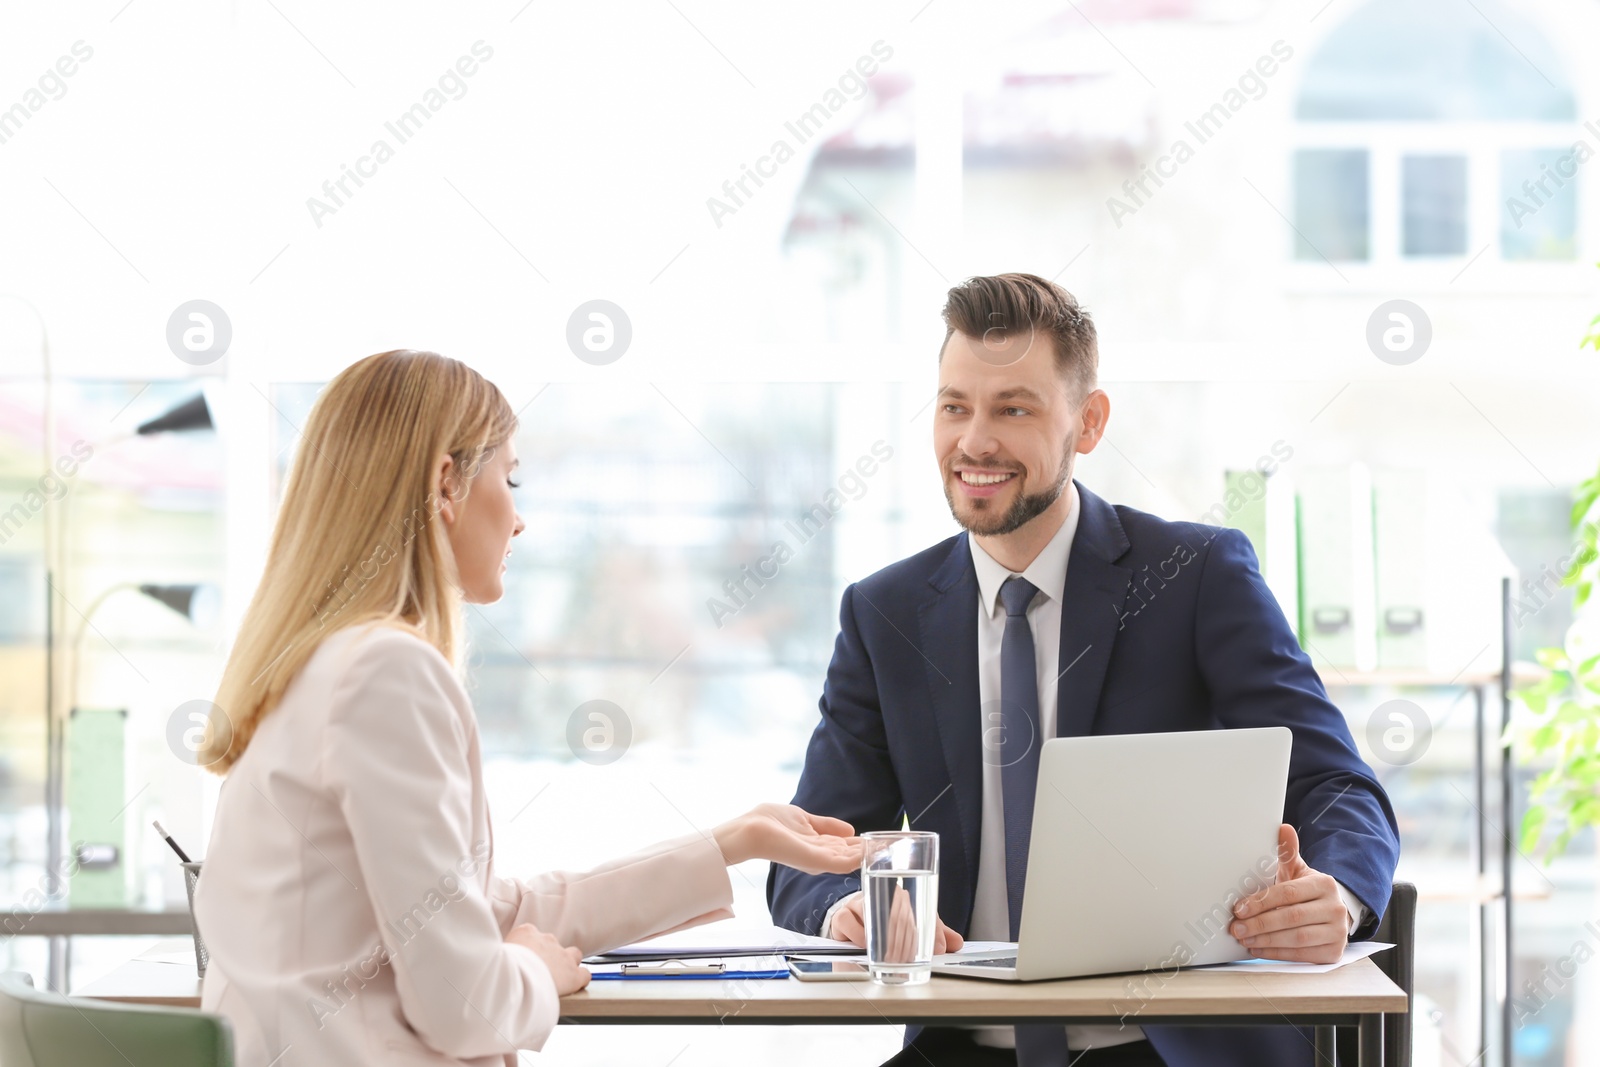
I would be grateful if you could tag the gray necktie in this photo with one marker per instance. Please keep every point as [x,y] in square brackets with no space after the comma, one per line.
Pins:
[1019,722]
[1037,1046]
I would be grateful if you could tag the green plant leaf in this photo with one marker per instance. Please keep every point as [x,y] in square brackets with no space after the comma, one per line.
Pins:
[1554,659]
[1571,712]
[1533,821]
[1585,812]
[1551,684]
[1534,700]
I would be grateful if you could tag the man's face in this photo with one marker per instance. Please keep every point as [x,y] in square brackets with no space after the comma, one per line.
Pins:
[1006,428]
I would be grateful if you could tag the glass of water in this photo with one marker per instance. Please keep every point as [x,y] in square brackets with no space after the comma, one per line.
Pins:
[900,876]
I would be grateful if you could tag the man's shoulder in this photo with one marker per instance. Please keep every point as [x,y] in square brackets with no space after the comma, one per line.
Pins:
[1148,532]
[915,571]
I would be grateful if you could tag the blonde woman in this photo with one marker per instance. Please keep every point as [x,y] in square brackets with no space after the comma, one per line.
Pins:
[350,900]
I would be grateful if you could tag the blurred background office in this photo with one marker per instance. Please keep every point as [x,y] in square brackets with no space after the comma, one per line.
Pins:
[1342,259]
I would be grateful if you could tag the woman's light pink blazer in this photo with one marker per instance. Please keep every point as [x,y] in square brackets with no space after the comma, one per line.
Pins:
[349,899]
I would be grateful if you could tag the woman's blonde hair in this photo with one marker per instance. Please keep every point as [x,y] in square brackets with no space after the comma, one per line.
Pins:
[356,539]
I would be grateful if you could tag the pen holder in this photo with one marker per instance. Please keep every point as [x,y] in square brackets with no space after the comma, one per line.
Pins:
[191,878]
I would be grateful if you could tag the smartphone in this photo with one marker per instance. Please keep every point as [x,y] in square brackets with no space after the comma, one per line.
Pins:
[829,970]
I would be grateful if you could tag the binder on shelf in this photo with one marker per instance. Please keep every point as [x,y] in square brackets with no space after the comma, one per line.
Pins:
[95,802]
[1338,603]
[1400,559]
[1262,507]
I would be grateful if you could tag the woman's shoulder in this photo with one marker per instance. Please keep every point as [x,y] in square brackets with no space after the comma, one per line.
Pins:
[379,649]
[375,695]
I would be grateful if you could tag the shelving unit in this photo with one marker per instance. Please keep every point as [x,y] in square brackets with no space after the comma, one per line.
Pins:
[1484,890]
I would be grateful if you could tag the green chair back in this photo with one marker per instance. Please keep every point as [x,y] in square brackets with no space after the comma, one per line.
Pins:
[39,1029]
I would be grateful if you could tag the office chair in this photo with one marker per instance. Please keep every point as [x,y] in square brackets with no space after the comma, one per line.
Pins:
[1398,928]
[40,1029]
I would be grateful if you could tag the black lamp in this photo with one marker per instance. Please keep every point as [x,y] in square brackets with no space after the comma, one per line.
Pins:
[197,603]
[179,598]
[192,414]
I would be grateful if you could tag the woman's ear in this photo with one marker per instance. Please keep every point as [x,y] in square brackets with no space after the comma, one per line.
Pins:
[446,489]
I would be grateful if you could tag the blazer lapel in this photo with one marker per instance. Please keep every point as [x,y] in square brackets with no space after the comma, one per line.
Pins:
[1091,612]
[948,623]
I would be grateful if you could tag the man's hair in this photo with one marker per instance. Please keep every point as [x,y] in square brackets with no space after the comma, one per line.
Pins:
[1007,305]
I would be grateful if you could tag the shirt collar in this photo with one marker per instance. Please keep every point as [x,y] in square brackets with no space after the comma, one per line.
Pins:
[1048,571]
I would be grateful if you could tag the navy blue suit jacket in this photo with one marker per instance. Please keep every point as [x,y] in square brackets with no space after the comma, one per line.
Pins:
[1165,626]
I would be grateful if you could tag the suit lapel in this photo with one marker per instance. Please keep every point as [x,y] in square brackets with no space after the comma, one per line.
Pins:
[1091,612]
[948,623]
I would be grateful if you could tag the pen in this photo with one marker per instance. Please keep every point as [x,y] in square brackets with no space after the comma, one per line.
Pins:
[182,855]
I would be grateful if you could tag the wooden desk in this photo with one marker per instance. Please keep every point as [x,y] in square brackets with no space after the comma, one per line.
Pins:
[1355,995]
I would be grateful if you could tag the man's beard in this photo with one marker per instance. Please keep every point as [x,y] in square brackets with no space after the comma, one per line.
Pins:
[1023,510]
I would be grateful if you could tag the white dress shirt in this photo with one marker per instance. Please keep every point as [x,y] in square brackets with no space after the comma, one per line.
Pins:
[991,911]
[991,915]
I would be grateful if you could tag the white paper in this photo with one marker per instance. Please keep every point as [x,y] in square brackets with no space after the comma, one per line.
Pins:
[1358,951]
[186,958]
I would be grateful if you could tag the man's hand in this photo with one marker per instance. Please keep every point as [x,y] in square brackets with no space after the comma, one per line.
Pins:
[565,964]
[1301,918]
[849,925]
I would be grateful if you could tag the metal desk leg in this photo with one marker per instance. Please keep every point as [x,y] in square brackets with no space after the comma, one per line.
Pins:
[1326,1045]
[58,973]
[1371,1041]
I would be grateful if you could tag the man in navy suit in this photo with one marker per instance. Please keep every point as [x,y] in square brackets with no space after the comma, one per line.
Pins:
[1058,614]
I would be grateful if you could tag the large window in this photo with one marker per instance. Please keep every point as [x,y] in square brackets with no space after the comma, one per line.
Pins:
[679,561]
[1429,131]
[133,518]
[1434,194]
[1331,203]
[1540,218]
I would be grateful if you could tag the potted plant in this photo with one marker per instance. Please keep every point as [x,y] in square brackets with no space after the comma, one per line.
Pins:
[1563,708]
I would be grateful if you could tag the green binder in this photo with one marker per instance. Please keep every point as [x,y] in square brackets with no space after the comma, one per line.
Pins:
[1262,507]
[96,820]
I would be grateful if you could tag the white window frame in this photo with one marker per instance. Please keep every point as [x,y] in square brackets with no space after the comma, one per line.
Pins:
[1481,143]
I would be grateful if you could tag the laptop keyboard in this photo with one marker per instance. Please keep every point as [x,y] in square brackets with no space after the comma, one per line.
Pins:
[996,961]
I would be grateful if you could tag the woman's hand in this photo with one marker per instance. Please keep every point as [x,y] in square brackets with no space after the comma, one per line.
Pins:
[783,833]
[565,964]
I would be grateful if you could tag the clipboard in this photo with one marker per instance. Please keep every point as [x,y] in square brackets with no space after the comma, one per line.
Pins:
[680,969]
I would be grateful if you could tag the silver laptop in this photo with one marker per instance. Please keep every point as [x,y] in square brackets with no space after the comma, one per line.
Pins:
[1141,845]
